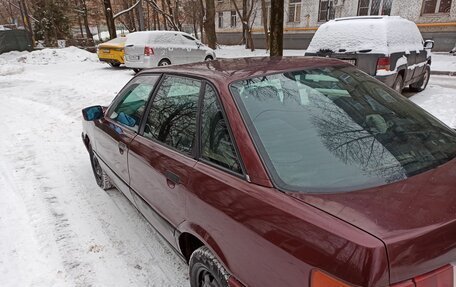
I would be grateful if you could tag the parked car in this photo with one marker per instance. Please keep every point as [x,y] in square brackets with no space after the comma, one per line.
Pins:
[283,172]
[112,51]
[149,49]
[389,48]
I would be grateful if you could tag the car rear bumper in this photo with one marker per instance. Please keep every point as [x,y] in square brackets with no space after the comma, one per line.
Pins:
[388,79]
[146,62]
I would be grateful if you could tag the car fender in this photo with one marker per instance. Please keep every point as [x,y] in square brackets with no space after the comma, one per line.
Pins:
[204,236]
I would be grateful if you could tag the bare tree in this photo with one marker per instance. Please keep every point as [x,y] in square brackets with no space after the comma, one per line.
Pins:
[248,6]
[264,15]
[276,40]
[209,24]
[110,19]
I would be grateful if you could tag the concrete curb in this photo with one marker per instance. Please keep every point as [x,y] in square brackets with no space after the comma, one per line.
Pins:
[443,73]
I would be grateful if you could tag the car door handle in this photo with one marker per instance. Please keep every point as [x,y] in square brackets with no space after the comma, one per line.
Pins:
[122,147]
[131,45]
[172,179]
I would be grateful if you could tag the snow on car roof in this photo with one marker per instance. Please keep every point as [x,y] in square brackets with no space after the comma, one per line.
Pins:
[379,34]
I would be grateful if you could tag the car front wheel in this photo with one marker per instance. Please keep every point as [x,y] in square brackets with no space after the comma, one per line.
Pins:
[206,270]
[101,177]
[422,83]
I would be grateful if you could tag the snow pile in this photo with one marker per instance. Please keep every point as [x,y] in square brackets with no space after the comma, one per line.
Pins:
[383,35]
[56,56]
[9,69]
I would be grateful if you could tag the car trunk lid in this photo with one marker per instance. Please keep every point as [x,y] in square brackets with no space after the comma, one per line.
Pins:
[415,218]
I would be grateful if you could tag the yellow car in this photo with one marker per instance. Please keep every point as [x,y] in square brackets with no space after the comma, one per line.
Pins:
[112,51]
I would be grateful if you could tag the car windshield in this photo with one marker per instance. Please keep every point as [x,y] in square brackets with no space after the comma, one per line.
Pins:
[336,129]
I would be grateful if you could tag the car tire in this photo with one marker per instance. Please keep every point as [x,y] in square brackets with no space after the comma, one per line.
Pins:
[101,177]
[423,82]
[136,70]
[208,58]
[164,62]
[114,65]
[398,85]
[206,270]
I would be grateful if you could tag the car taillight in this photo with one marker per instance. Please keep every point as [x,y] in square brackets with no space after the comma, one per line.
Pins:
[320,279]
[148,51]
[442,277]
[383,63]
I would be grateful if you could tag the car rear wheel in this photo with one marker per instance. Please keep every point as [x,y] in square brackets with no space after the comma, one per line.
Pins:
[206,270]
[398,85]
[422,83]
[208,58]
[164,62]
[114,65]
[101,177]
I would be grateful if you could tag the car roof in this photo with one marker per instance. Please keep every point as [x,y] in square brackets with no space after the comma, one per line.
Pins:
[229,70]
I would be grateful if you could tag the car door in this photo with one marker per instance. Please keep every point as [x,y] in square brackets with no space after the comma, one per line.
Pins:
[119,126]
[161,158]
[195,53]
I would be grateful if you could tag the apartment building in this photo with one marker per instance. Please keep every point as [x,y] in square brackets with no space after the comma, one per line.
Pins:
[436,19]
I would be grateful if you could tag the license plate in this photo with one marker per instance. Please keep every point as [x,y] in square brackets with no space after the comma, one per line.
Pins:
[106,50]
[133,58]
[350,61]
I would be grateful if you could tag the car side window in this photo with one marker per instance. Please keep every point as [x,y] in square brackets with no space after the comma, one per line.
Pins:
[216,144]
[172,118]
[130,109]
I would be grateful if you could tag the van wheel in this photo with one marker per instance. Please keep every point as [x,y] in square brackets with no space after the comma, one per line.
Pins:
[398,85]
[206,270]
[101,177]
[422,83]
[164,62]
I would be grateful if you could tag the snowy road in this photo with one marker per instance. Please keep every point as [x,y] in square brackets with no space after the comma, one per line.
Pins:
[57,228]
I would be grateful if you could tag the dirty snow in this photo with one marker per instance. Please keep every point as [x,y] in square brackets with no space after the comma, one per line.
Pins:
[57,228]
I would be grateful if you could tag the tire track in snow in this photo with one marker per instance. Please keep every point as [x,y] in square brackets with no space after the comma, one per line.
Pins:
[35,161]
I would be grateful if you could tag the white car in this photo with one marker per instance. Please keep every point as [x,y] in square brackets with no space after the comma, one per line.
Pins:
[149,49]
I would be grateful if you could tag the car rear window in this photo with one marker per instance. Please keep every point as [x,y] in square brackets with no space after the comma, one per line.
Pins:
[336,129]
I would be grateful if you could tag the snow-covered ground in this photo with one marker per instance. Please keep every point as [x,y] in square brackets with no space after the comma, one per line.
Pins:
[445,62]
[57,228]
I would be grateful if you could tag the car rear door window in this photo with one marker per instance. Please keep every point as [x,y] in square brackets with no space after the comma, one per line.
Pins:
[133,99]
[172,118]
[216,144]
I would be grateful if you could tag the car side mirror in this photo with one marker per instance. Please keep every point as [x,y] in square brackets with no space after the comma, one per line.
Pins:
[92,113]
[428,44]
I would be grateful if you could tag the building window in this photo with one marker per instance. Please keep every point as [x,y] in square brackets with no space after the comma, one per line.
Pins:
[233,19]
[436,6]
[220,19]
[294,11]
[327,11]
[374,7]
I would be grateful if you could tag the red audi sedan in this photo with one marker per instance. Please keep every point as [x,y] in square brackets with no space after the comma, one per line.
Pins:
[283,172]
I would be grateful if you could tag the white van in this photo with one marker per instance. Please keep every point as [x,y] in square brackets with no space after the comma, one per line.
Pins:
[390,48]
[149,49]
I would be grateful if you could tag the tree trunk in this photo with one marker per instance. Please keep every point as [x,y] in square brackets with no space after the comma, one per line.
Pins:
[209,24]
[165,26]
[276,41]
[85,17]
[110,19]
[264,16]
[201,20]
[140,16]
